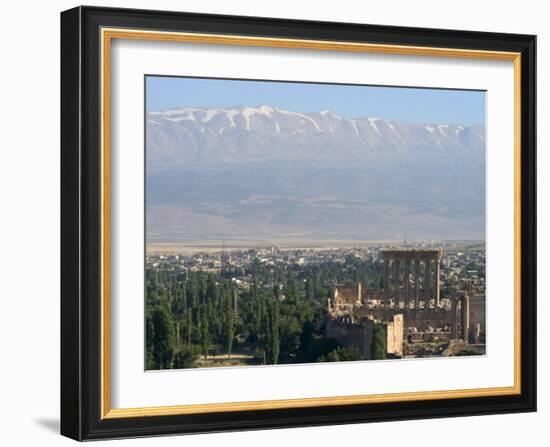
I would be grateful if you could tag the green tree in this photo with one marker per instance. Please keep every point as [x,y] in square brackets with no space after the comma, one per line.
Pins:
[189,326]
[163,338]
[204,334]
[229,325]
[349,354]
[179,303]
[310,293]
[274,347]
[379,341]
[185,358]
[342,354]
[149,346]
[292,290]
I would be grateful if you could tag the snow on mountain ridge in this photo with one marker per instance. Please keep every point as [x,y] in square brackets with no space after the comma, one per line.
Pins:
[268,111]
[264,132]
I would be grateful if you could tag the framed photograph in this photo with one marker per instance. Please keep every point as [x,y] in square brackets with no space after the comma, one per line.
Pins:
[276,223]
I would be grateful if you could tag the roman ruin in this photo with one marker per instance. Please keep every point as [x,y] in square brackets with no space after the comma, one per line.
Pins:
[408,304]
[424,267]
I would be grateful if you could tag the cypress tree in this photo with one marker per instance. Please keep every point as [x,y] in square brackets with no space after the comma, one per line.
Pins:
[204,334]
[309,289]
[229,326]
[163,338]
[274,333]
[379,342]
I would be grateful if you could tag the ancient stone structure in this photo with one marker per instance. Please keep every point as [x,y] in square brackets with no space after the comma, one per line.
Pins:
[465,317]
[477,318]
[460,317]
[395,331]
[349,332]
[345,299]
[423,320]
[423,265]
[408,306]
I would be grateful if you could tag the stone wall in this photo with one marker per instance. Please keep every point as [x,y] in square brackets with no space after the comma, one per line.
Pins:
[477,319]
[395,331]
[345,299]
[422,319]
[357,334]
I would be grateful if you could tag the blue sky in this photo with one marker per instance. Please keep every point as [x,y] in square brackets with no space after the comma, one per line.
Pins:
[414,105]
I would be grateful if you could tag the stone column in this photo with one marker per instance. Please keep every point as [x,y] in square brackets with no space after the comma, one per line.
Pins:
[416,283]
[396,282]
[436,281]
[386,282]
[407,288]
[427,270]
[454,318]
[465,317]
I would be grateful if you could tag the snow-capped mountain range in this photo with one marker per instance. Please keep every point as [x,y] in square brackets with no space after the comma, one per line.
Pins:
[241,134]
[269,174]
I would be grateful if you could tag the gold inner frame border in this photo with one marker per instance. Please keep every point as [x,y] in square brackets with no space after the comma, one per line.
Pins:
[107,35]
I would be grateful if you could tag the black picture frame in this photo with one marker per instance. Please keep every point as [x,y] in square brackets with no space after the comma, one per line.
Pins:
[81,224]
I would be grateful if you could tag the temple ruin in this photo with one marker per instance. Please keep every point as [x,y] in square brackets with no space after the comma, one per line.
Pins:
[408,304]
[423,265]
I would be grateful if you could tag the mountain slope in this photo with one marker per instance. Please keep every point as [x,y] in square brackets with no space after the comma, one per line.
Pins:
[190,135]
[267,173]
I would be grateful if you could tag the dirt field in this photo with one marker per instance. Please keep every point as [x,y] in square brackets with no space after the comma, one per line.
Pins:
[223,360]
